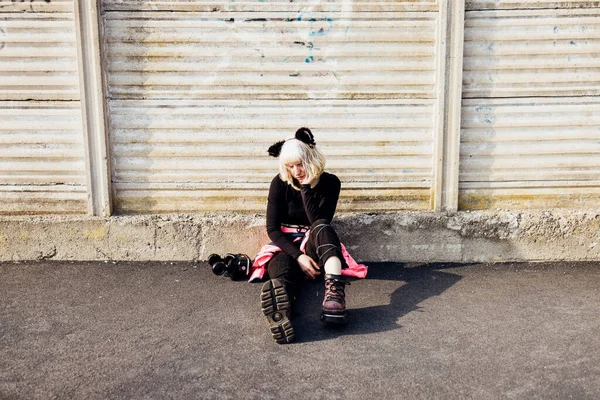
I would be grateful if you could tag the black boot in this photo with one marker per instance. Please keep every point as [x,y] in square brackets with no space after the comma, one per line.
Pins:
[334,303]
[276,306]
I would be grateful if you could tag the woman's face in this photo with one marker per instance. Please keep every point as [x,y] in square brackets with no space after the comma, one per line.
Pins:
[297,170]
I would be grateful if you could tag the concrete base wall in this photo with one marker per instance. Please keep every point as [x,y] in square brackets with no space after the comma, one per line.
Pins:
[487,236]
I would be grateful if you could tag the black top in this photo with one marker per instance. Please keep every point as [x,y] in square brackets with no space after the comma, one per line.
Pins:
[287,205]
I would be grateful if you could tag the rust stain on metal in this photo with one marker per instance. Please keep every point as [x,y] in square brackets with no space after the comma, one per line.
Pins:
[527,201]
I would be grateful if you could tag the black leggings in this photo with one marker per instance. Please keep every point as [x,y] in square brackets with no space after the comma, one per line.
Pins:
[323,243]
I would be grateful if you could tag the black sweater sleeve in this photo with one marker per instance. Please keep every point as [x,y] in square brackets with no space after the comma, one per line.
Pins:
[275,207]
[320,202]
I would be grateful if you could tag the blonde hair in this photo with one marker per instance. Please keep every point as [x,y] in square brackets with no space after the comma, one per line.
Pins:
[294,150]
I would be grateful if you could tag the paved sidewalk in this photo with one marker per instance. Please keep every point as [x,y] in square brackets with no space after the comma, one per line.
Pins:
[73,330]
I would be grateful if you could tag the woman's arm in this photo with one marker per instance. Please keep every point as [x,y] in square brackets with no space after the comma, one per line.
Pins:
[325,208]
[275,209]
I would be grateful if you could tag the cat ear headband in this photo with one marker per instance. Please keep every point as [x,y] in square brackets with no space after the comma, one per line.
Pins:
[303,134]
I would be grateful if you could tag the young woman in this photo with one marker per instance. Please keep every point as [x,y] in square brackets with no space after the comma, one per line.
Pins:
[301,204]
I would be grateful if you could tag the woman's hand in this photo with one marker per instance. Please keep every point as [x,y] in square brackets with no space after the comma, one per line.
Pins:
[308,266]
[310,180]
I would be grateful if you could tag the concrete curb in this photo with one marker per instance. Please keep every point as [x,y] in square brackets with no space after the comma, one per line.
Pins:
[483,236]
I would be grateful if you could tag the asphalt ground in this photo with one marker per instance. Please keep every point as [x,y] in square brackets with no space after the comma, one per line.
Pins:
[96,330]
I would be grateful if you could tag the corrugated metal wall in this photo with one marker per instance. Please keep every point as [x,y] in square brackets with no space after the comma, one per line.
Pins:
[42,167]
[530,128]
[198,92]
[528,4]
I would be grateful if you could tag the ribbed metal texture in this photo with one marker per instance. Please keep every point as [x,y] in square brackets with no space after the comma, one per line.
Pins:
[42,166]
[38,56]
[520,150]
[37,6]
[530,153]
[222,87]
[261,5]
[532,53]
[211,155]
[528,4]
[262,56]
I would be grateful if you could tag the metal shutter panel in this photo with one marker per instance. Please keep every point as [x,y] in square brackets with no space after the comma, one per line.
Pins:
[530,132]
[42,165]
[197,98]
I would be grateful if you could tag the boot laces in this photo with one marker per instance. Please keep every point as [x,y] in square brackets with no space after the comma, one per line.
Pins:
[335,290]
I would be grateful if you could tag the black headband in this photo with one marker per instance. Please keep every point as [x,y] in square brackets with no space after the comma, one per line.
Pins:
[303,134]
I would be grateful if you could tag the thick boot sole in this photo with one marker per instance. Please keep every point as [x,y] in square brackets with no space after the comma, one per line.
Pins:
[275,304]
[333,318]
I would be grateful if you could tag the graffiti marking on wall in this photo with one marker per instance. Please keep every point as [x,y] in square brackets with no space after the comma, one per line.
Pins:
[8,3]
[2,35]
[318,27]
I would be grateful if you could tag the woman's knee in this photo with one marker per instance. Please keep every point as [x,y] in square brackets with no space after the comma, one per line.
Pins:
[322,230]
[320,222]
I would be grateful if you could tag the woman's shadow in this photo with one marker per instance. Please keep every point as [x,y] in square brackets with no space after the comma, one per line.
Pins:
[417,285]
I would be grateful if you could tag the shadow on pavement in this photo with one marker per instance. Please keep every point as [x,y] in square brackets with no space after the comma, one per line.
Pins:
[419,284]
